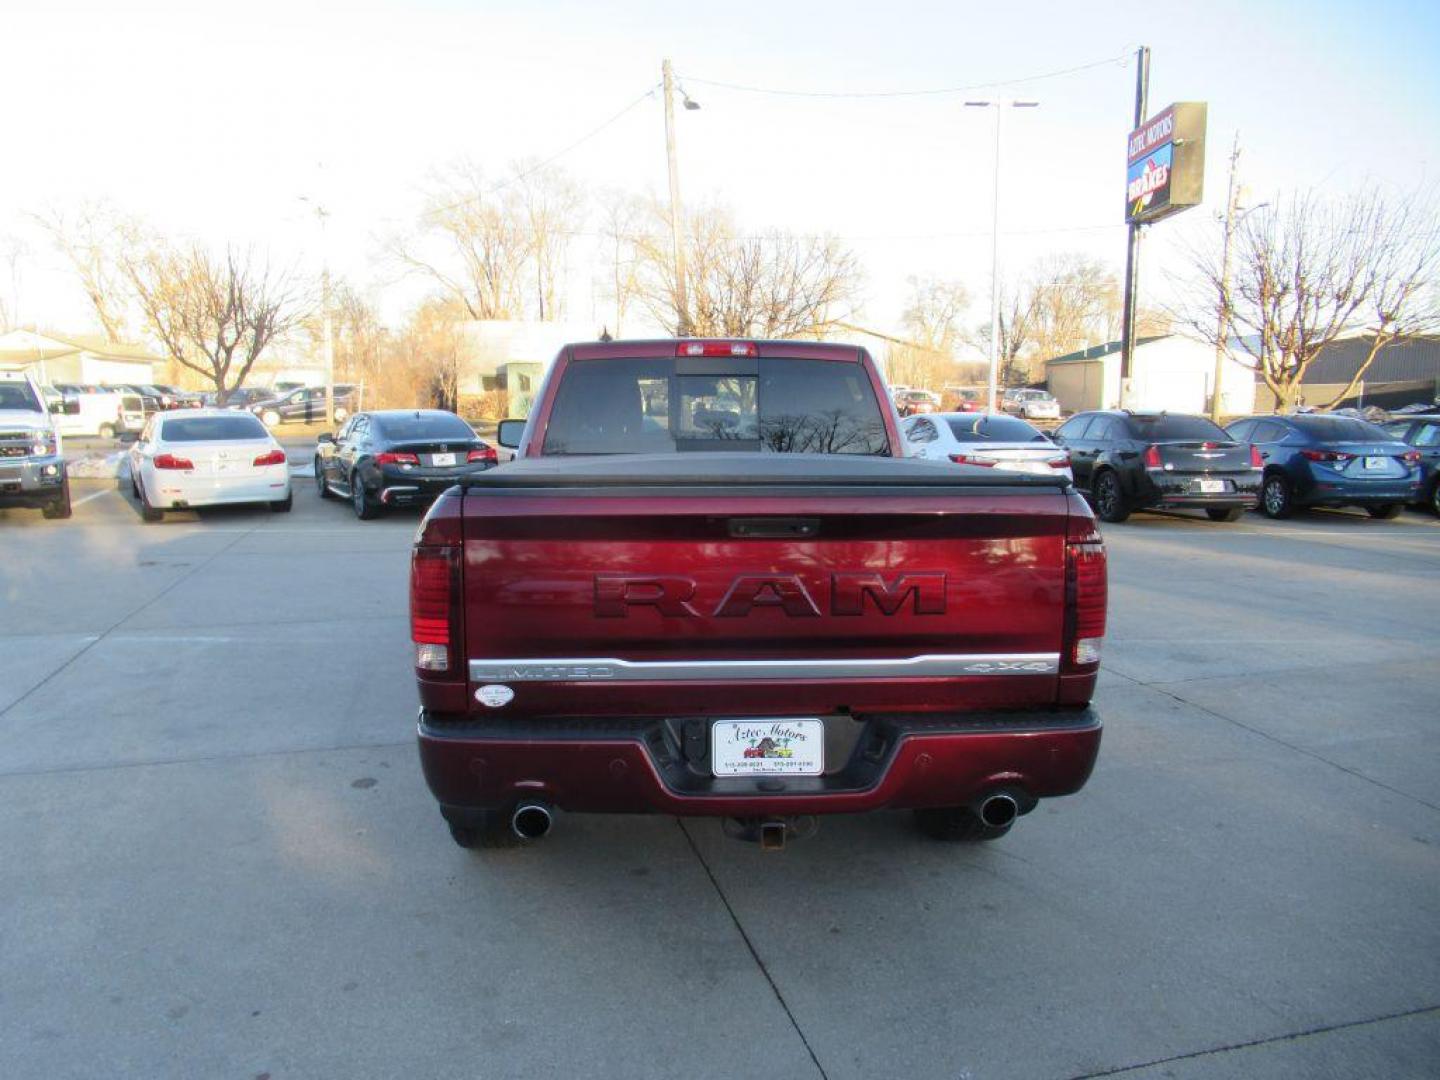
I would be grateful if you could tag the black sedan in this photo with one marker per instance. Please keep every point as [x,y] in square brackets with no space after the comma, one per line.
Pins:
[397,457]
[1127,461]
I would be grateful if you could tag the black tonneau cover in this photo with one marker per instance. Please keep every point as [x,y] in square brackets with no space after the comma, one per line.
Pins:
[747,470]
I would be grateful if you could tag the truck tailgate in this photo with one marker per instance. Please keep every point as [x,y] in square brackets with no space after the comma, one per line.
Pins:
[645,596]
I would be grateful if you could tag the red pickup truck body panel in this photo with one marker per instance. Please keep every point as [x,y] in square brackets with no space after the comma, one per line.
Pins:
[608,608]
[533,566]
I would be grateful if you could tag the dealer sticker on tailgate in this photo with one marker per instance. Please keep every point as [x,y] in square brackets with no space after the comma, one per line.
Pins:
[764,747]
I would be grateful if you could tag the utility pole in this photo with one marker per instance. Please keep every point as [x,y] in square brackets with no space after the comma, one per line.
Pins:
[995,272]
[677,247]
[1222,331]
[1132,252]
[999,107]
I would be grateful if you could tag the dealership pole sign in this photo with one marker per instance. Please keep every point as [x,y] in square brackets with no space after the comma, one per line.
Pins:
[1165,167]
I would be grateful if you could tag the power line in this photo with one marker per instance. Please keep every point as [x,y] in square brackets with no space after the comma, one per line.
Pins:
[503,184]
[1122,59]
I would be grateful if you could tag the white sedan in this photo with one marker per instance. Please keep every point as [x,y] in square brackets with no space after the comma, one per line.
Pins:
[207,457]
[989,440]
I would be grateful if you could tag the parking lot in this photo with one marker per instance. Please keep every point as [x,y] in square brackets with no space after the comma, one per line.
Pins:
[218,856]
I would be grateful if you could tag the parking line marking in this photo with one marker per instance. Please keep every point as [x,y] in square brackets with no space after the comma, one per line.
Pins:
[92,495]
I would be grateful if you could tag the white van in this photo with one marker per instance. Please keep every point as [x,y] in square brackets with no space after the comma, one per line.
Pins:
[91,414]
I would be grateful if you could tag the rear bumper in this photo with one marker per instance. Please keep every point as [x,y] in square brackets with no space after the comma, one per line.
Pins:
[1375,493]
[181,491]
[394,485]
[658,766]
[1171,491]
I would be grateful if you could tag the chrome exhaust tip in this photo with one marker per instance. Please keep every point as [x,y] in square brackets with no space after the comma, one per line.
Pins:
[998,810]
[531,820]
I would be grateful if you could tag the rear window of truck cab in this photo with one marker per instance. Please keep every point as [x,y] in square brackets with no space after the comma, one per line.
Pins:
[769,404]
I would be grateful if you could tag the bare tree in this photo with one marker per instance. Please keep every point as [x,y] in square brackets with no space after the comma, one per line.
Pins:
[554,210]
[359,337]
[777,285]
[488,246]
[623,219]
[1076,302]
[1308,271]
[213,315]
[94,239]
[13,250]
[932,315]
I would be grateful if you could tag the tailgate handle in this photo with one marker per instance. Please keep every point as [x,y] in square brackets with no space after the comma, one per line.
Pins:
[774,528]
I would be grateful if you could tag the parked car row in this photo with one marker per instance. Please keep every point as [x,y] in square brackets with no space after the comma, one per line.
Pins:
[1127,461]
[216,457]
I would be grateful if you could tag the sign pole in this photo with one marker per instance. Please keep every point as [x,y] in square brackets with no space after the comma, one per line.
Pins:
[1132,252]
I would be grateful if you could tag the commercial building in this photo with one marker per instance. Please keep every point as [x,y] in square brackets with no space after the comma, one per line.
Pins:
[79,358]
[1169,371]
[1402,373]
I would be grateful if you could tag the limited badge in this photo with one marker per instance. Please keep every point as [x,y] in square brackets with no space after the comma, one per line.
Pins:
[494,695]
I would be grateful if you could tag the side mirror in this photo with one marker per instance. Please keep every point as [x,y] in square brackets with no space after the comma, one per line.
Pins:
[509,433]
[325,437]
[57,406]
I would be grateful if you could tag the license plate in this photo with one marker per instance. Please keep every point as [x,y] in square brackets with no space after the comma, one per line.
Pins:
[1376,462]
[442,459]
[1212,487]
[766,747]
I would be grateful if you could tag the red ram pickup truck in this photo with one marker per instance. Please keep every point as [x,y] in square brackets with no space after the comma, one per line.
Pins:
[709,585]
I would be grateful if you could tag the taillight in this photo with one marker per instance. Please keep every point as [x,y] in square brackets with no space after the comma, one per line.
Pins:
[716,348]
[970,459]
[1085,593]
[170,461]
[432,581]
[274,457]
[1062,462]
[1152,457]
[388,458]
[1325,455]
[1411,457]
[486,453]
[1256,461]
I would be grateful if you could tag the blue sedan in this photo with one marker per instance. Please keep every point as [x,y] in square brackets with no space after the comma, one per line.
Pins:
[1423,433]
[1315,459]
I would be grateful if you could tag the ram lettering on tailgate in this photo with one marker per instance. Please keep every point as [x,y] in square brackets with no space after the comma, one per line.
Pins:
[922,592]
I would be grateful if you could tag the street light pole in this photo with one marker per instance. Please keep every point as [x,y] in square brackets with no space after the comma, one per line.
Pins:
[999,107]
[321,215]
[1222,331]
[677,248]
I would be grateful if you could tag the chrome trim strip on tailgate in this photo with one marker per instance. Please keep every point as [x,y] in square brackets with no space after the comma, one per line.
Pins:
[587,669]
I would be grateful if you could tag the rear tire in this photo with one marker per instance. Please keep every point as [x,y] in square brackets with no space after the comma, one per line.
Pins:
[1110,504]
[957,823]
[147,512]
[1277,498]
[487,830]
[59,509]
[1434,500]
[1385,511]
[271,418]
[366,508]
[320,484]
[282,506]
[107,431]
[1225,513]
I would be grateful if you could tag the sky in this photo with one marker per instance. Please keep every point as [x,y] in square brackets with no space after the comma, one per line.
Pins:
[212,120]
